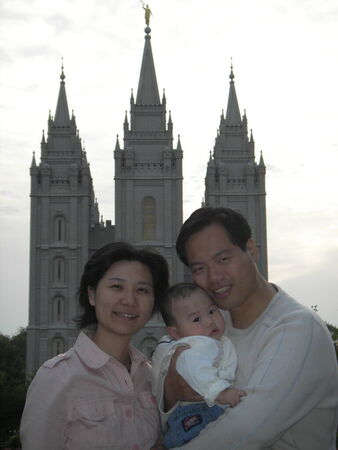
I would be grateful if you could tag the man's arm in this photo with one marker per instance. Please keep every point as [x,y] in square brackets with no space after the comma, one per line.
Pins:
[295,370]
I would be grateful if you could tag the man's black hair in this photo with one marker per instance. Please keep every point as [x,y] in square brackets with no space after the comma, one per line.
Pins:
[233,222]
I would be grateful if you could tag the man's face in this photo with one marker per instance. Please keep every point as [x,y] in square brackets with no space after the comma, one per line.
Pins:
[224,270]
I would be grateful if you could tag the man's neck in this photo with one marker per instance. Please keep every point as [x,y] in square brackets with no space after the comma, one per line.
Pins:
[246,314]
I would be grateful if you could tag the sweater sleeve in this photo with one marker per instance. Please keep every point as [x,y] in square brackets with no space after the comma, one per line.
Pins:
[294,372]
[44,417]
[160,361]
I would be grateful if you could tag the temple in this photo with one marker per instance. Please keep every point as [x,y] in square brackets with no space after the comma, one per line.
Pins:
[66,227]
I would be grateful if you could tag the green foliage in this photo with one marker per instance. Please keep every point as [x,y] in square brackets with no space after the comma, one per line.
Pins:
[13,385]
[334,334]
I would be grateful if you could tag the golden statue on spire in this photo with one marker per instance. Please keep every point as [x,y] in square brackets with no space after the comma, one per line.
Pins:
[147,13]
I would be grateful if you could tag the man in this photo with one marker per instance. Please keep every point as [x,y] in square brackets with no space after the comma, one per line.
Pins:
[286,359]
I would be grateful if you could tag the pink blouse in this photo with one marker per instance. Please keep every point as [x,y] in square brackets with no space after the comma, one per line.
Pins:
[85,399]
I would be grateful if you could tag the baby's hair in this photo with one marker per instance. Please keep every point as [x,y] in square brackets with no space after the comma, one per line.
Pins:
[175,292]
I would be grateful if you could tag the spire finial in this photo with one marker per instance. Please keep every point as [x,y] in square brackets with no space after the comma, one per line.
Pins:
[62,76]
[232,76]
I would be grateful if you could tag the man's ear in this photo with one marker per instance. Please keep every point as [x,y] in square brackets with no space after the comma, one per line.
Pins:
[173,332]
[252,249]
[91,295]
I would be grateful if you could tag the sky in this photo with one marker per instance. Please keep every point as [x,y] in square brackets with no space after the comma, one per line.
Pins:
[285,61]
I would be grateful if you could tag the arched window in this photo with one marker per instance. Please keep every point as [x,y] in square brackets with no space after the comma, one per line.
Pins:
[58,346]
[59,229]
[148,218]
[59,270]
[58,310]
[147,346]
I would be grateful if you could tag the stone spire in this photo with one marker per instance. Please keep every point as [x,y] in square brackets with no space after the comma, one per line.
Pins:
[233,178]
[233,115]
[147,92]
[117,145]
[62,118]
[33,164]
[261,160]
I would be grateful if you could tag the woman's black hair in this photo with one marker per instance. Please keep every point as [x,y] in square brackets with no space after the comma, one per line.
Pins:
[233,222]
[102,260]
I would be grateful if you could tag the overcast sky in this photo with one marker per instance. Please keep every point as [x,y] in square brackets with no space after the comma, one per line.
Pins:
[285,58]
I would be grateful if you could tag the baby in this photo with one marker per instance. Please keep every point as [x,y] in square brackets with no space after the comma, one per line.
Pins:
[208,366]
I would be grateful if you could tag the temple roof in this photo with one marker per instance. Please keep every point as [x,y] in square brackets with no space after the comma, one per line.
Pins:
[147,92]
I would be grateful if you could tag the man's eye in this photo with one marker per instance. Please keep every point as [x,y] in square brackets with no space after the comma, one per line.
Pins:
[196,319]
[116,286]
[196,269]
[212,310]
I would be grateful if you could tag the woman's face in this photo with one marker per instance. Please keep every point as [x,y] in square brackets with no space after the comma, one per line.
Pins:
[123,298]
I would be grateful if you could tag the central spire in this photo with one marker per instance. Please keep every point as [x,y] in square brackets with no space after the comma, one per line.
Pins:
[233,115]
[62,118]
[147,92]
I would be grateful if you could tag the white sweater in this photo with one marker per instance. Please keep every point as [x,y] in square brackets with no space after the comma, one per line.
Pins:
[208,366]
[287,365]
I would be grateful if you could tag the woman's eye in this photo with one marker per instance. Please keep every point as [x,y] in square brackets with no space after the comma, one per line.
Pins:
[212,311]
[143,290]
[115,286]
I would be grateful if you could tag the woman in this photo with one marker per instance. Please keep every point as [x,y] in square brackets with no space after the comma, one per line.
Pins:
[98,394]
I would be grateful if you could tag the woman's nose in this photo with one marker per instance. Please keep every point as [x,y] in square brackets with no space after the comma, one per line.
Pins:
[128,297]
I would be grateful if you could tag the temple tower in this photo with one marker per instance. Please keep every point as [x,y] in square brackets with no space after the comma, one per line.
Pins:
[148,173]
[233,178]
[63,209]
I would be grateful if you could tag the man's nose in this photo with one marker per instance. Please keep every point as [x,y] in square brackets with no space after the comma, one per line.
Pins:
[215,273]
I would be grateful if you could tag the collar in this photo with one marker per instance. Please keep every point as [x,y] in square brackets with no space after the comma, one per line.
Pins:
[95,358]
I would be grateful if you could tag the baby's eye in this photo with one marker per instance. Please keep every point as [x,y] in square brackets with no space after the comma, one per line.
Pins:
[196,319]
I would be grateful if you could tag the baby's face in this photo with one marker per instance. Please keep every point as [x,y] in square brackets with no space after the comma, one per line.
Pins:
[197,315]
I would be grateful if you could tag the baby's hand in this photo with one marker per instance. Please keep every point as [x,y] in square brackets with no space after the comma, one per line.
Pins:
[230,396]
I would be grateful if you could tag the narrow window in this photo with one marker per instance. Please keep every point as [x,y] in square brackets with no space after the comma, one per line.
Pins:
[58,346]
[59,229]
[58,310]
[148,218]
[59,270]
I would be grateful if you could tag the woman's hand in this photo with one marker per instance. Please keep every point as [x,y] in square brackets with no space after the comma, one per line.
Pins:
[175,387]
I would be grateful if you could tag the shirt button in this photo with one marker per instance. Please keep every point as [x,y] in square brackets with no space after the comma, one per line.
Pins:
[128,413]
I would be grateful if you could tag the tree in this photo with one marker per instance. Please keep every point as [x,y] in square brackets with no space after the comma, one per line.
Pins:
[334,334]
[13,385]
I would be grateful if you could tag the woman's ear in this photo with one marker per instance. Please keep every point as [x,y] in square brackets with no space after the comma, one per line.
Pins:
[91,295]
[173,332]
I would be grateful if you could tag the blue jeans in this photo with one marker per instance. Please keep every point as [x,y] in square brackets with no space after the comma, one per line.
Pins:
[187,421]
